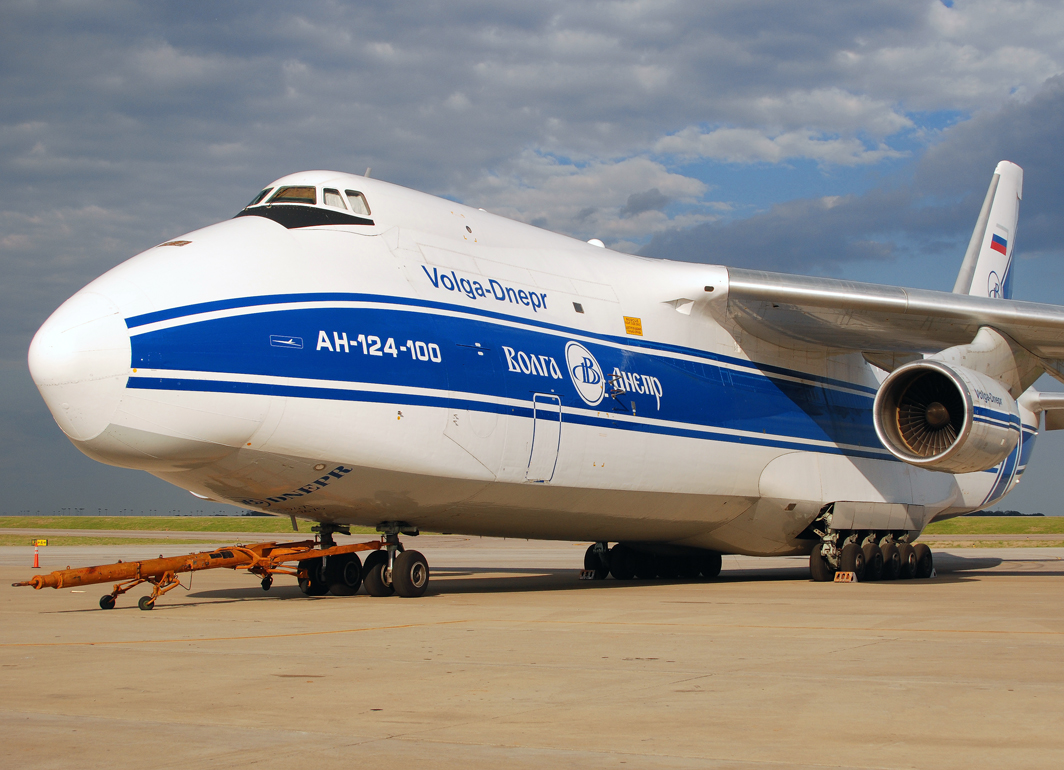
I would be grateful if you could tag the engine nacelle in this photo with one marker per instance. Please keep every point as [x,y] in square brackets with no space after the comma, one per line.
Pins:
[946,418]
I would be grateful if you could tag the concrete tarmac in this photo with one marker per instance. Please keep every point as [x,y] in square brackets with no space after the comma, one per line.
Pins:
[511,662]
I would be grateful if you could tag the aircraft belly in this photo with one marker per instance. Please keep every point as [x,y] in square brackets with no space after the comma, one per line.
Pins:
[352,494]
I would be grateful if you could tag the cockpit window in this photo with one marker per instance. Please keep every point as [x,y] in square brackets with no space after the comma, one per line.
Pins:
[258,198]
[307,195]
[333,198]
[358,202]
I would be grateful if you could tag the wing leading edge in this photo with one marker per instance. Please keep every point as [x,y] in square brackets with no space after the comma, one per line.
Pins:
[798,311]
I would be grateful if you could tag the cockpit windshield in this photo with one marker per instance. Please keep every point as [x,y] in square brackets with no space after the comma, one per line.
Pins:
[258,198]
[308,195]
[298,206]
[358,203]
[332,197]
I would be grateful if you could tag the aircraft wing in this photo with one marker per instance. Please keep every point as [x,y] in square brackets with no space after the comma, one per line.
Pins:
[844,315]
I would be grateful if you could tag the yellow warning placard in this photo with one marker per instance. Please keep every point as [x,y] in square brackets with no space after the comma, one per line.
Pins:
[633,326]
[845,577]
[40,542]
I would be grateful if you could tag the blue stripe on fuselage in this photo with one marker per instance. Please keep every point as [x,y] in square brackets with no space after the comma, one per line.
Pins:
[699,394]
[287,299]
[404,399]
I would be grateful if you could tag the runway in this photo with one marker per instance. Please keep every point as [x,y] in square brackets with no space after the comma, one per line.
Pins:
[510,661]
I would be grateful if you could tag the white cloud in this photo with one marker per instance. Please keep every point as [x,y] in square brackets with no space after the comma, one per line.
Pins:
[751,145]
[593,199]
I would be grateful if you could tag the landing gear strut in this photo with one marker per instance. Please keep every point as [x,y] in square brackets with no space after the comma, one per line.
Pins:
[393,569]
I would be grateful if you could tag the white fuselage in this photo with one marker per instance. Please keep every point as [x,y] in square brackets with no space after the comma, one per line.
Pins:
[460,372]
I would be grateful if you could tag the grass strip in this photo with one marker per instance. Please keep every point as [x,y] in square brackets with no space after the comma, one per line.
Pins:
[265,524]
[67,540]
[998,525]
[990,543]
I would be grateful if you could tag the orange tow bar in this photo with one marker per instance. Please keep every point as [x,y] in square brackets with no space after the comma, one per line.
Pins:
[263,559]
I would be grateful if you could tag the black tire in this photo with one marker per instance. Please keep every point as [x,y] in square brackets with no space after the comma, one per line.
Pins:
[267,583]
[819,569]
[646,566]
[665,566]
[343,573]
[925,562]
[709,564]
[852,560]
[593,561]
[146,603]
[373,575]
[873,559]
[687,566]
[891,561]
[107,602]
[622,562]
[313,584]
[908,561]
[410,574]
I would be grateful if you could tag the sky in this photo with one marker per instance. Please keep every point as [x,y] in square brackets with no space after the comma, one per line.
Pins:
[849,140]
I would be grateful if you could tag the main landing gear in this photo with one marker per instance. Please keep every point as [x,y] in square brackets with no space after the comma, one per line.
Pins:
[390,570]
[626,562]
[870,556]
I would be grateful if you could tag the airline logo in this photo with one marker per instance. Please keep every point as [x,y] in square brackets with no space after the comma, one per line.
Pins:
[586,373]
[474,289]
[998,243]
[993,286]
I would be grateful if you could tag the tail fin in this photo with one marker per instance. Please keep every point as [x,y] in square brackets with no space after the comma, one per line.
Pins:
[986,271]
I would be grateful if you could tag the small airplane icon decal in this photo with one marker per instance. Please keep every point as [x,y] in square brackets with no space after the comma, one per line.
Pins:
[286,341]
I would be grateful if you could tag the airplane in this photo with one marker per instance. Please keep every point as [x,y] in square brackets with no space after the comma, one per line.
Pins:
[351,352]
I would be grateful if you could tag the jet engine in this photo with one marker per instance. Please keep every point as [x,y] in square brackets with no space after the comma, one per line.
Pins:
[944,417]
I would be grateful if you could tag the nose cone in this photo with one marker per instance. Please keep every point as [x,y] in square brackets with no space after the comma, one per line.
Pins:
[80,361]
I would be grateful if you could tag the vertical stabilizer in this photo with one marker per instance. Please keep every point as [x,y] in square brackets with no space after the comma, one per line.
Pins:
[986,271]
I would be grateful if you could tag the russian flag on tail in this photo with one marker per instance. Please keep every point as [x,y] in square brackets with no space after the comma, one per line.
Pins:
[997,243]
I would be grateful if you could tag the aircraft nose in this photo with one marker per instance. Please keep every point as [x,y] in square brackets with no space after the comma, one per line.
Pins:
[80,360]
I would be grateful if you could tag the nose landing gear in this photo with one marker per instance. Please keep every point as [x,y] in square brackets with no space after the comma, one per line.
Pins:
[389,570]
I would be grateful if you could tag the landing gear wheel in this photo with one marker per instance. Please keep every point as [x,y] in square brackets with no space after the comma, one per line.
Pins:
[343,573]
[593,561]
[709,564]
[146,603]
[925,562]
[410,574]
[107,602]
[373,575]
[267,583]
[873,559]
[622,562]
[313,585]
[646,567]
[852,560]
[908,561]
[819,569]
[687,566]
[891,561]
[665,566]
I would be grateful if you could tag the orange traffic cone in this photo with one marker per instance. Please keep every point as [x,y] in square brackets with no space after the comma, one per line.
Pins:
[36,558]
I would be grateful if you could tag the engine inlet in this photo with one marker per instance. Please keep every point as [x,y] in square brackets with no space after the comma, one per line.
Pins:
[930,414]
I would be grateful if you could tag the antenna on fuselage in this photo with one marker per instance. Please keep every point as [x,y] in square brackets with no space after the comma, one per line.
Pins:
[368,169]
